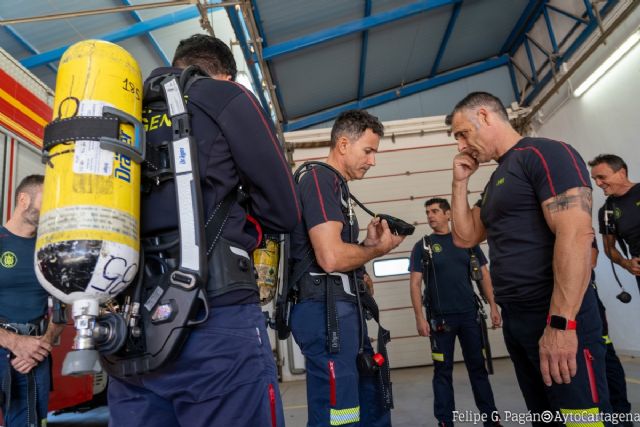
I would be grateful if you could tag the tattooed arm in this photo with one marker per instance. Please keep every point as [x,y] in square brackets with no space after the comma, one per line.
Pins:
[569,217]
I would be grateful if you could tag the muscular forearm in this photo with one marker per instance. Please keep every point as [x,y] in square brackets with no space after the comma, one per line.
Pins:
[487,287]
[571,269]
[415,282]
[7,339]
[53,332]
[465,230]
[349,256]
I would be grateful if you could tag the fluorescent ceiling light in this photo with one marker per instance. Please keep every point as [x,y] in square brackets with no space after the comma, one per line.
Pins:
[610,62]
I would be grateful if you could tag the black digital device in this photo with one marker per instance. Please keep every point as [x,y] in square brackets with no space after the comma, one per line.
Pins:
[439,326]
[398,226]
[624,297]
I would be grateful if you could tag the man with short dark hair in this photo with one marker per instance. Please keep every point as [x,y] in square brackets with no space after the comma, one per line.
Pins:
[535,212]
[225,372]
[619,217]
[24,344]
[452,311]
[327,321]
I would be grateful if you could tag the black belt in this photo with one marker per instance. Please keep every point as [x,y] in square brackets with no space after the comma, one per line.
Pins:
[33,327]
[230,266]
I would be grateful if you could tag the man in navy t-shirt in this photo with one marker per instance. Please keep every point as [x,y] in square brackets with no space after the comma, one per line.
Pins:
[24,345]
[619,218]
[326,321]
[451,308]
[535,212]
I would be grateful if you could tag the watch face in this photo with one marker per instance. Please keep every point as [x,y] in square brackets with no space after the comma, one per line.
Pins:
[558,322]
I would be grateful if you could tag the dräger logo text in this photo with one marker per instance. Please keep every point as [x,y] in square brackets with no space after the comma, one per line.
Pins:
[182,157]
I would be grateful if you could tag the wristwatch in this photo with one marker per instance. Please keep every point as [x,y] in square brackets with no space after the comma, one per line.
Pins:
[562,323]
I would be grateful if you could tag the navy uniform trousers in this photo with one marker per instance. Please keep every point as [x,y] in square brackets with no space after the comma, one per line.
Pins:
[588,390]
[336,394]
[225,375]
[18,412]
[466,327]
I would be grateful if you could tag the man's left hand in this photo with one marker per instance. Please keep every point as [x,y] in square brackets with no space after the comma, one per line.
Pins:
[558,351]
[496,319]
[22,365]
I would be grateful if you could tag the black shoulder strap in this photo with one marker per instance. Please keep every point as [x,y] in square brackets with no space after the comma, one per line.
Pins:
[610,215]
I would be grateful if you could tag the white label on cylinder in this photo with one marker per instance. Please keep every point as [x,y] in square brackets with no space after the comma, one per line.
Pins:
[88,157]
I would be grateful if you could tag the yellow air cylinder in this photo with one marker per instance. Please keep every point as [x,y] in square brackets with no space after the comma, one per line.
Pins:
[266,259]
[88,236]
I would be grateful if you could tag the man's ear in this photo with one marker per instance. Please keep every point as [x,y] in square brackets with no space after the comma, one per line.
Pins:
[23,200]
[341,144]
[483,116]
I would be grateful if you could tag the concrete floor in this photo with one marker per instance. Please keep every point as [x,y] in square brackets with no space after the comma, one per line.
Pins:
[413,397]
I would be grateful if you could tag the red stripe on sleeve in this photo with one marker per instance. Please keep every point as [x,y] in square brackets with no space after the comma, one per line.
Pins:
[575,163]
[544,164]
[276,145]
[315,178]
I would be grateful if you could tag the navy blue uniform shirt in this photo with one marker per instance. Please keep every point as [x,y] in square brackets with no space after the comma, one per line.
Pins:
[22,299]
[236,145]
[520,241]
[322,200]
[450,290]
[626,212]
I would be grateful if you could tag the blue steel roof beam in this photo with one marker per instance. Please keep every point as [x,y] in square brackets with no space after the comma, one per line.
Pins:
[363,52]
[552,36]
[16,35]
[525,75]
[265,42]
[579,41]
[589,8]
[254,67]
[152,39]
[122,34]
[445,39]
[354,27]
[567,14]
[530,57]
[258,20]
[529,11]
[514,82]
[399,92]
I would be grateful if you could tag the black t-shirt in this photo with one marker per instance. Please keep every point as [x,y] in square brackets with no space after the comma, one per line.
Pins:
[449,290]
[237,144]
[322,199]
[520,241]
[626,217]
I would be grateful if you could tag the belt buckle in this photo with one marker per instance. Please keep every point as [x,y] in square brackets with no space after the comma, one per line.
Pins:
[10,327]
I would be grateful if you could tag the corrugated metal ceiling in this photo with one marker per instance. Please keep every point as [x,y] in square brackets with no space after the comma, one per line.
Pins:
[313,59]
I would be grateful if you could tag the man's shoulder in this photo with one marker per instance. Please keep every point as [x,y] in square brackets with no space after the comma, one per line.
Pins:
[322,176]
[540,145]
[208,89]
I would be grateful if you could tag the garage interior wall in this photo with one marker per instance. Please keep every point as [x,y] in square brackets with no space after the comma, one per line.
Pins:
[605,120]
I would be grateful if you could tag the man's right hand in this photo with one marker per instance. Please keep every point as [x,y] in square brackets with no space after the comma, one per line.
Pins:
[387,240]
[423,327]
[632,265]
[464,166]
[30,349]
